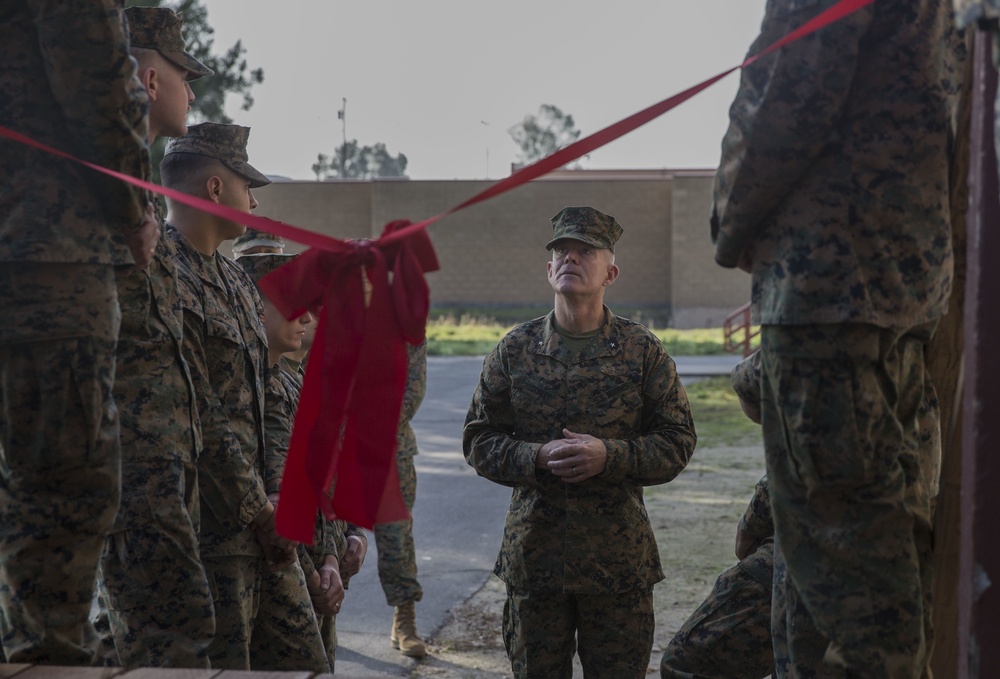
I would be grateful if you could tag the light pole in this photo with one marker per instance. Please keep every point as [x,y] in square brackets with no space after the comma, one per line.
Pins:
[342,114]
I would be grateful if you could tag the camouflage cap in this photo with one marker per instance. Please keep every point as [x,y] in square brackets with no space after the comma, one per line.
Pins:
[252,238]
[159,28]
[258,266]
[585,224]
[225,143]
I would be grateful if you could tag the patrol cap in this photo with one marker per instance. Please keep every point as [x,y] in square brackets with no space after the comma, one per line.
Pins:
[159,28]
[587,225]
[258,266]
[225,143]
[253,238]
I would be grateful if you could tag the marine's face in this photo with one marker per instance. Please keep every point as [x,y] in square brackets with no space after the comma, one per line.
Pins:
[236,194]
[170,99]
[580,269]
[284,335]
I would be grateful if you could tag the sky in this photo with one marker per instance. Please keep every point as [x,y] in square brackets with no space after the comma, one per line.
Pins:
[443,80]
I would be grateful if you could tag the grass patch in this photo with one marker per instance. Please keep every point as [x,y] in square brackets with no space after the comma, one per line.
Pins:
[463,336]
[697,342]
[718,418]
[476,334]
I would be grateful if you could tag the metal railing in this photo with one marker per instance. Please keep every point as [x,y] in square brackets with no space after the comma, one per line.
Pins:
[735,324]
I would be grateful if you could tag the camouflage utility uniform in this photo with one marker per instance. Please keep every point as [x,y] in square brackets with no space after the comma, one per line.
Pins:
[330,536]
[286,633]
[67,81]
[579,560]
[157,622]
[729,635]
[834,188]
[226,348]
[397,559]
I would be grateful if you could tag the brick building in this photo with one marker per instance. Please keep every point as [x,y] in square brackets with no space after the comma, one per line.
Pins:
[492,254]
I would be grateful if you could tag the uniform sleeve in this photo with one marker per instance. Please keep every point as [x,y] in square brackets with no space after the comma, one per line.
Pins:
[757,521]
[488,437]
[667,437]
[305,560]
[785,114]
[745,378]
[279,416]
[416,387]
[93,80]
[334,539]
[416,382]
[230,486]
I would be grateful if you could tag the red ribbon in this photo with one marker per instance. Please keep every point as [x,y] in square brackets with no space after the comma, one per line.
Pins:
[345,428]
[337,399]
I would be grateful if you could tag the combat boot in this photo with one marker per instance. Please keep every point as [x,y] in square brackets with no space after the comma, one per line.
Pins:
[404,632]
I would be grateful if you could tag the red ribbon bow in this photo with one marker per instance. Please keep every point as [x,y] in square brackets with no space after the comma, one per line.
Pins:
[344,437]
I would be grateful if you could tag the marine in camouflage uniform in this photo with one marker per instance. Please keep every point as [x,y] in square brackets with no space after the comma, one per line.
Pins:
[286,633]
[397,558]
[833,189]
[66,81]
[576,412]
[157,622]
[729,635]
[332,537]
[226,348]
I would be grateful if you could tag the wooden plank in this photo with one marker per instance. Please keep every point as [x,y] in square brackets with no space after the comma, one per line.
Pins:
[170,673]
[242,674]
[10,670]
[61,672]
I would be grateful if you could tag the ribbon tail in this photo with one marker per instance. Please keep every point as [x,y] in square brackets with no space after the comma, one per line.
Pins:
[411,298]
[367,490]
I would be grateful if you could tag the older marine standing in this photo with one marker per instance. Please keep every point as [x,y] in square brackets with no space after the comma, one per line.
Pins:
[226,348]
[577,411]
[833,190]
[67,81]
[157,622]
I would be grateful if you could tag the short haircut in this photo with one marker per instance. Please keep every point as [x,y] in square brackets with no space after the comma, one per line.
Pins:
[187,172]
[142,55]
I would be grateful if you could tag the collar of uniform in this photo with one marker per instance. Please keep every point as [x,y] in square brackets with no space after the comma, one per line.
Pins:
[550,343]
[202,266]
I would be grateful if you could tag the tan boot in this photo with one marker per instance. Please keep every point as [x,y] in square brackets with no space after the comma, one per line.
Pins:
[404,632]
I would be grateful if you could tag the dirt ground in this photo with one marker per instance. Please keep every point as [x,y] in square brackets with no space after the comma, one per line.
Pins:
[694,518]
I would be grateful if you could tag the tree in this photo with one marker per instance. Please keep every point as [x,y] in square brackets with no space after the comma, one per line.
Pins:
[543,134]
[232,73]
[360,162]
